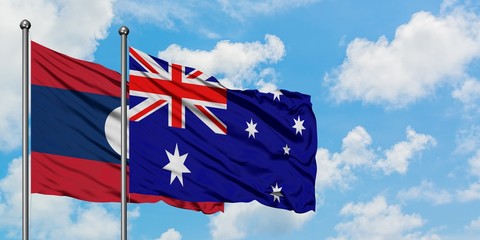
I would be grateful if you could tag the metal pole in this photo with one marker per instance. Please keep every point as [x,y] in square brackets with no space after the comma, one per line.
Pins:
[25,26]
[123,31]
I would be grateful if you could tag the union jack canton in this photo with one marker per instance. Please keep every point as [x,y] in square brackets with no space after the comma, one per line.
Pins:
[178,87]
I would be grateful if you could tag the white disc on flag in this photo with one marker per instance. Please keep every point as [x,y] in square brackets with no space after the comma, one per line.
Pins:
[112,131]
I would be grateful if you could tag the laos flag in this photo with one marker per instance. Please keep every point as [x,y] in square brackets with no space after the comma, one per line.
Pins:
[195,140]
[75,131]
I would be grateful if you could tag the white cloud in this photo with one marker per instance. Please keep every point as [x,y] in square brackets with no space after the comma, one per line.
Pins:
[334,171]
[411,66]
[243,68]
[468,94]
[425,191]
[473,226]
[337,168]
[474,163]
[134,213]
[89,222]
[170,234]
[227,15]
[398,157]
[53,217]
[160,12]
[378,220]
[448,5]
[243,219]
[470,194]
[11,196]
[470,231]
[242,9]
[420,236]
[172,14]
[355,150]
[468,139]
[61,25]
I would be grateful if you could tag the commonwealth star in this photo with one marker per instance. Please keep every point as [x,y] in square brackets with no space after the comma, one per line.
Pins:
[176,165]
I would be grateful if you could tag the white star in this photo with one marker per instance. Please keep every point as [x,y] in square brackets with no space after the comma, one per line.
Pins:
[276,192]
[276,94]
[251,128]
[176,165]
[286,149]
[298,125]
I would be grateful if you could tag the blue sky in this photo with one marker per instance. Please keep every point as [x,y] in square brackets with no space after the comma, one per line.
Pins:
[395,89]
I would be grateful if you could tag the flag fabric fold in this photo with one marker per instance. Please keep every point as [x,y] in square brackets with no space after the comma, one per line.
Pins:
[195,140]
[75,131]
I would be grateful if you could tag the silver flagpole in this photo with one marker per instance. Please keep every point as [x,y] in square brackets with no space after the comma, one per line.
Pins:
[123,31]
[25,26]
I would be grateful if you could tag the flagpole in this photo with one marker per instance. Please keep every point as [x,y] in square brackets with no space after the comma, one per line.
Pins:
[25,26]
[123,31]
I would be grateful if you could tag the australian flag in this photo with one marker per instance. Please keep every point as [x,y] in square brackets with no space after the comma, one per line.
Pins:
[195,140]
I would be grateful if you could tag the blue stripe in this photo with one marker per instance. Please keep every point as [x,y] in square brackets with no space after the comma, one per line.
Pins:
[71,123]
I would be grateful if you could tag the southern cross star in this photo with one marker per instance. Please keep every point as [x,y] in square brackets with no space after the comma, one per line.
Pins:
[251,128]
[298,125]
[276,94]
[176,165]
[286,150]
[276,192]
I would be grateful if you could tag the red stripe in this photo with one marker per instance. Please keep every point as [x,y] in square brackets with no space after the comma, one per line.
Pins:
[177,110]
[141,60]
[183,90]
[147,110]
[195,74]
[93,181]
[212,118]
[54,69]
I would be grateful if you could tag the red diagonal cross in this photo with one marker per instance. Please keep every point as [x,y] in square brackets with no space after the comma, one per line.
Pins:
[178,91]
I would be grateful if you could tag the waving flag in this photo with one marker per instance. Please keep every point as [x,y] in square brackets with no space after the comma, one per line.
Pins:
[76,131]
[195,140]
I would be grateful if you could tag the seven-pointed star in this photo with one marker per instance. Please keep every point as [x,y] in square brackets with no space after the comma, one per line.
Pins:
[276,94]
[276,192]
[298,125]
[286,150]
[176,165]
[251,128]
